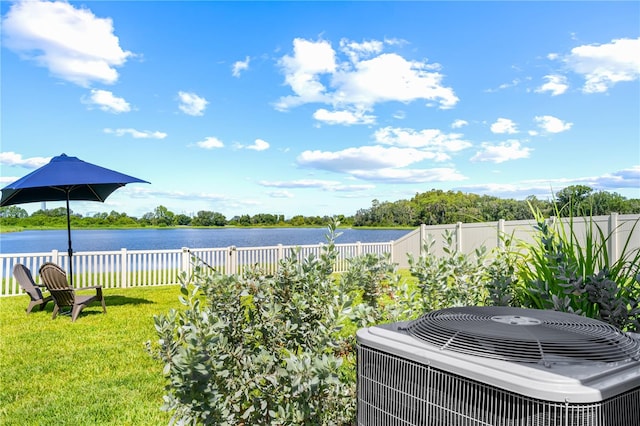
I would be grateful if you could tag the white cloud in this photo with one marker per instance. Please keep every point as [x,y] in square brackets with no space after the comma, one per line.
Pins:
[327,185]
[240,66]
[503,86]
[300,183]
[552,124]
[504,151]
[556,85]
[10,158]
[144,193]
[399,115]
[459,123]
[259,145]
[504,125]
[363,158]
[106,101]
[443,174]
[72,43]
[625,178]
[316,74]
[8,179]
[343,117]
[210,142]
[303,69]
[604,65]
[427,139]
[519,190]
[390,77]
[621,179]
[137,134]
[280,194]
[192,104]
[355,51]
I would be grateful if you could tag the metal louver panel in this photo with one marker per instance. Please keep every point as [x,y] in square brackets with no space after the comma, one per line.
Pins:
[393,391]
[524,335]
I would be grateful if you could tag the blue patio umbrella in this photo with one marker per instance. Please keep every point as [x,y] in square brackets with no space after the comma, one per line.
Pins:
[66,178]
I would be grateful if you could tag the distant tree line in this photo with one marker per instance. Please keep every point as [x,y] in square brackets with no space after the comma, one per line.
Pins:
[441,207]
[430,208]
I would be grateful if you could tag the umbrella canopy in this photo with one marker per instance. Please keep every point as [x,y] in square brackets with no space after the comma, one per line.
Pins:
[66,178]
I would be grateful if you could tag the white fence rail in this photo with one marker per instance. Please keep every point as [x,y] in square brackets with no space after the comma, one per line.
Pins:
[135,268]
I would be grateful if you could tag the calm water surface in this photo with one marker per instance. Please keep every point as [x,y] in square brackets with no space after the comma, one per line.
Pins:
[160,239]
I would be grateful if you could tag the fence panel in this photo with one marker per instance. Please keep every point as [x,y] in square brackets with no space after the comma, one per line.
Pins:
[622,232]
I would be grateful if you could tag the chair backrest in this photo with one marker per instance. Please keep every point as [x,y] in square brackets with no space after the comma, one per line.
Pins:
[55,279]
[25,279]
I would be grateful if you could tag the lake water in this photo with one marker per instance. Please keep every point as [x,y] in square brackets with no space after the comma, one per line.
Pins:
[161,239]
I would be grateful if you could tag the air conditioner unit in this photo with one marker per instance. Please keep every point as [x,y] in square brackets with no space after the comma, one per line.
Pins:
[498,366]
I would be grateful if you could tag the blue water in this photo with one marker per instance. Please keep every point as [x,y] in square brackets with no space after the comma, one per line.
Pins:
[161,239]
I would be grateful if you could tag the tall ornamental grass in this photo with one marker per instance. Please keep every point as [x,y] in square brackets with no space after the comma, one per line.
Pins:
[564,271]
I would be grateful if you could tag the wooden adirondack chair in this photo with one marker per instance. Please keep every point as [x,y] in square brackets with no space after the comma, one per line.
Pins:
[25,279]
[55,279]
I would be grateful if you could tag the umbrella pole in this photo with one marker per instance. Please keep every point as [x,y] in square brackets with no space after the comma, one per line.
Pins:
[70,250]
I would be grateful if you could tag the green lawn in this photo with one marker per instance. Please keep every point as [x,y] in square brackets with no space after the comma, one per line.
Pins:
[95,371]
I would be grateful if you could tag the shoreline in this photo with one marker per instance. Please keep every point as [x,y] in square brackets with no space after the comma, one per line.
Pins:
[11,229]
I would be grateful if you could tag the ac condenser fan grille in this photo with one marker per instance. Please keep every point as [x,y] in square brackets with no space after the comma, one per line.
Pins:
[525,335]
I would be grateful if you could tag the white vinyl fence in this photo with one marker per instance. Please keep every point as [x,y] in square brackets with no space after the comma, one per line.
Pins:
[618,230]
[136,268]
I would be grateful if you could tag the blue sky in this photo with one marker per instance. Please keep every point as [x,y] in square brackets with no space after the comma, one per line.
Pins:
[318,108]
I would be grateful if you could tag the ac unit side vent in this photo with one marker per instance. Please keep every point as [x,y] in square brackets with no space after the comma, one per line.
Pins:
[524,335]
[394,391]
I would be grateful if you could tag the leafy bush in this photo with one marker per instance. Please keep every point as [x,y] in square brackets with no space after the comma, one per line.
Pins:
[456,279]
[502,277]
[254,349]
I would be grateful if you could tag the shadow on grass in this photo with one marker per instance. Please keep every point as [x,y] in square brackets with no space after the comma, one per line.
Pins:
[114,300]
[118,300]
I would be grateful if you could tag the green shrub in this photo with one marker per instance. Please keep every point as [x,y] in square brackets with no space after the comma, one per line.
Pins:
[456,279]
[253,349]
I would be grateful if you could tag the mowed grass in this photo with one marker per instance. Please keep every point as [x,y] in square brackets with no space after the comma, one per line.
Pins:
[95,371]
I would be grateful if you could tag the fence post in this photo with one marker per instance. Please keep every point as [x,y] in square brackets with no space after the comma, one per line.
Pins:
[280,253]
[500,233]
[613,238]
[124,268]
[459,237]
[54,257]
[232,261]
[185,261]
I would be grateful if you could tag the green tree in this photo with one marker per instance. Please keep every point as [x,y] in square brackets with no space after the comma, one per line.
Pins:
[161,216]
[573,200]
[209,218]
[182,219]
[13,212]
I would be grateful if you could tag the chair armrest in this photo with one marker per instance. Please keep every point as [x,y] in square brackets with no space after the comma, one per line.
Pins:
[87,288]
